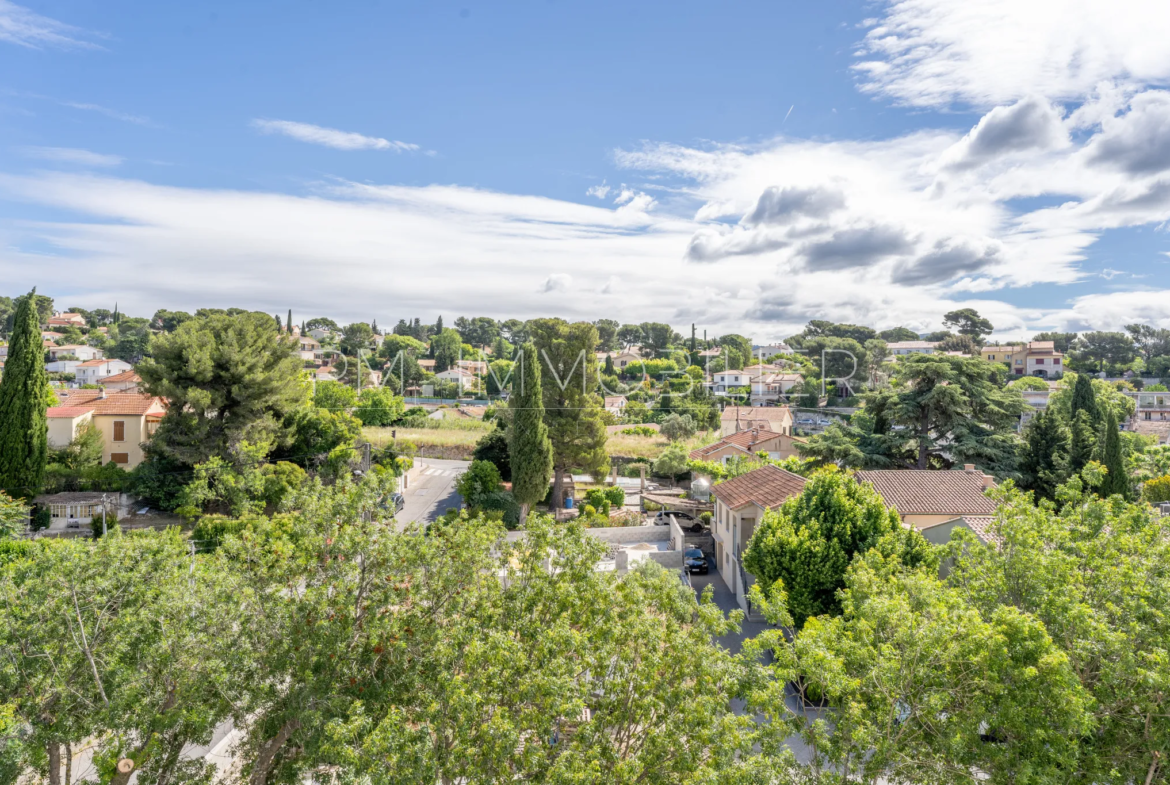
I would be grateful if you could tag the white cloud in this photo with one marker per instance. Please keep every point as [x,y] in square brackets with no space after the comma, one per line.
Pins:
[557,282]
[991,52]
[20,26]
[114,113]
[331,137]
[600,191]
[70,155]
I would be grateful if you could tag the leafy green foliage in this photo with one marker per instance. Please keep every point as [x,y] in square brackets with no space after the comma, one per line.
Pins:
[379,406]
[1043,464]
[677,427]
[481,479]
[805,545]
[227,379]
[13,516]
[530,450]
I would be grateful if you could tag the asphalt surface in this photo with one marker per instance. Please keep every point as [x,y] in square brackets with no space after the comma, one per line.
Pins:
[432,492]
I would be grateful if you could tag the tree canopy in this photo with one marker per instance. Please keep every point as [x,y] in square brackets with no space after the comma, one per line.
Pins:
[24,392]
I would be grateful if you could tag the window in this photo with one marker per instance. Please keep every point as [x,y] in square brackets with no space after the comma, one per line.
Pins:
[1056,361]
[1040,361]
[1019,362]
[120,457]
[119,431]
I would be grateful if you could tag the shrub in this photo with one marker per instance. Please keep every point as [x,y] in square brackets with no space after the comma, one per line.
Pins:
[677,427]
[616,496]
[480,479]
[639,430]
[671,463]
[706,517]
[1157,490]
[504,504]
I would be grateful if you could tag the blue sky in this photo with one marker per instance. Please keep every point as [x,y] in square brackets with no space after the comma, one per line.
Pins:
[390,160]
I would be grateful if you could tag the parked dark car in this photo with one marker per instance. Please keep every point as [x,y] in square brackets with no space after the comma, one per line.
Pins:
[695,561]
[663,517]
[395,503]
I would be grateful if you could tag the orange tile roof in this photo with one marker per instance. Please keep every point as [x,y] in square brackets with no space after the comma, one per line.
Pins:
[930,491]
[760,413]
[745,440]
[127,403]
[124,376]
[66,412]
[767,486]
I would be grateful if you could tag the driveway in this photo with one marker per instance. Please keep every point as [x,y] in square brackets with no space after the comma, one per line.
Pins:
[433,492]
[726,602]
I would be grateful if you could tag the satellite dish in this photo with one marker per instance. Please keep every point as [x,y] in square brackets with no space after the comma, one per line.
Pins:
[125,766]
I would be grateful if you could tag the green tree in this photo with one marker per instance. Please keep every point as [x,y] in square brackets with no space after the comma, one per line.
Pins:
[1062,342]
[955,405]
[24,388]
[607,334]
[13,517]
[356,339]
[1082,442]
[672,462]
[967,321]
[804,546]
[677,427]
[572,411]
[334,396]
[1116,480]
[379,406]
[227,379]
[1150,341]
[1043,464]
[481,479]
[1084,569]
[1084,400]
[917,681]
[897,334]
[1101,349]
[169,321]
[493,447]
[392,345]
[445,349]
[530,450]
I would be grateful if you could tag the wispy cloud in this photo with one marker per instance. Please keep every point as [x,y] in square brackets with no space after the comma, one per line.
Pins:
[108,112]
[331,137]
[71,155]
[20,26]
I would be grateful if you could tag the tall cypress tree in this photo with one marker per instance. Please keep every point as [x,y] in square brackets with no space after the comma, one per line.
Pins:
[1084,399]
[529,450]
[288,323]
[1041,466]
[1116,481]
[1082,442]
[24,429]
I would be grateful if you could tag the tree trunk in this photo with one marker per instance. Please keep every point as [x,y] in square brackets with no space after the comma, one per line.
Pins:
[558,490]
[523,514]
[923,433]
[68,763]
[54,763]
[268,751]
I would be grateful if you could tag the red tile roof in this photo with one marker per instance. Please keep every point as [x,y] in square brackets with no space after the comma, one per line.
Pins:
[124,376]
[767,486]
[931,492]
[745,440]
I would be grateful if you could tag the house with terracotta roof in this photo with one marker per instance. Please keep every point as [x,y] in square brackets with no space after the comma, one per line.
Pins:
[615,404]
[740,504]
[66,320]
[745,444]
[1035,358]
[126,420]
[127,381]
[65,422]
[465,379]
[76,351]
[745,418]
[94,371]
[928,499]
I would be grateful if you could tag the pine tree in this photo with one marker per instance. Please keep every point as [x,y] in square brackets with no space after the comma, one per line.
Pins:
[1116,481]
[23,426]
[530,452]
[1084,399]
[1082,442]
[1044,449]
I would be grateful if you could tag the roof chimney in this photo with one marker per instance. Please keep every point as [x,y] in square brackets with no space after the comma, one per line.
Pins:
[969,468]
[102,394]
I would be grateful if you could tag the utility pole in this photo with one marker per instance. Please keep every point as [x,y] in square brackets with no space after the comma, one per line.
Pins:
[103,515]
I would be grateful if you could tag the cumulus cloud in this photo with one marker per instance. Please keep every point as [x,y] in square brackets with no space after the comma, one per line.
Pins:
[1030,124]
[557,282]
[1137,142]
[70,155]
[948,259]
[331,137]
[782,205]
[600,191]
[20,26]
[856,247]
[993,52]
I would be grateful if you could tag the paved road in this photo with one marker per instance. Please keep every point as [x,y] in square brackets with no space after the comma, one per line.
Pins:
[433,492]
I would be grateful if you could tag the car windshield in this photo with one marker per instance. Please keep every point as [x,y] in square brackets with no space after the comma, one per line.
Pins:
[694,553]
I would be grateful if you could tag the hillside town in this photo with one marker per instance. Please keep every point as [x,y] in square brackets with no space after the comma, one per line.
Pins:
[762,478]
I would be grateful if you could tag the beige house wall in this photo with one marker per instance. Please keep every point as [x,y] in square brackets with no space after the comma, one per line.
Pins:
[131,444]
[731,530]
[63,430]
